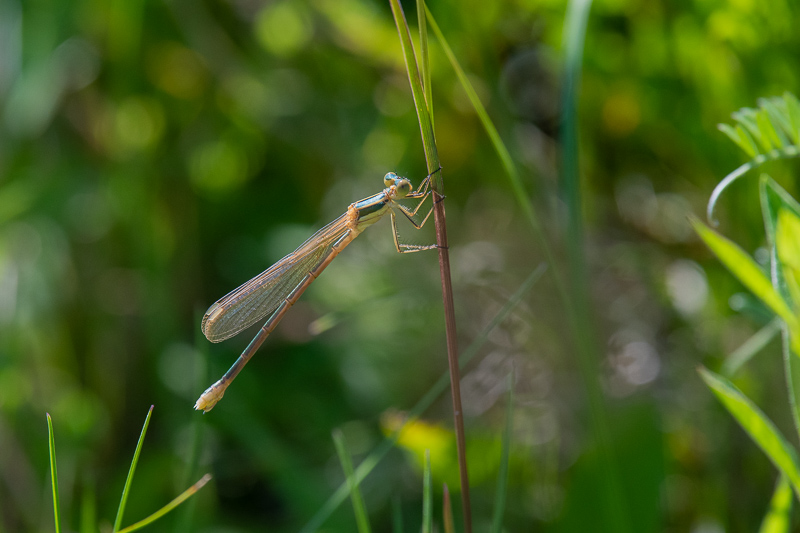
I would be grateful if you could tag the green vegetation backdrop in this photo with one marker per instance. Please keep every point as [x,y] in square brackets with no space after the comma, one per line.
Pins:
[155,155]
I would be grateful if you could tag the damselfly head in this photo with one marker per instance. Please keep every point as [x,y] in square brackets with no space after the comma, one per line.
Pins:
[402,187]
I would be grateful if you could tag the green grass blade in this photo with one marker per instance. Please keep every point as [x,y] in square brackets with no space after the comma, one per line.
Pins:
[423,114]
[757,425]
[588,354]
[53,472]
[170,506]
[787,240]
[88,521]
[775,199]
[362,521]
[424,59]
[779,516]
[447,511]
[746,270]
[368,464]
[427,496]
[502,475]
[397,515]
[750,347]
[126,491]
[494,137]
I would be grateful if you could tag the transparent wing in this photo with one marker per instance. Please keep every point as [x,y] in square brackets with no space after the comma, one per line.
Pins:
[262,295]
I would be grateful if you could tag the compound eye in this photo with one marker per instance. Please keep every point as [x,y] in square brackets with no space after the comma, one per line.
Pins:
[390,179]
[403,187]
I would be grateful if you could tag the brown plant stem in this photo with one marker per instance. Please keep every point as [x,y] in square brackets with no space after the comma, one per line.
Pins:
[432,158]
[452,354]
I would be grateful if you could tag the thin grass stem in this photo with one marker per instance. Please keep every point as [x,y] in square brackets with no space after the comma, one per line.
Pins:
[397,515]
[427,495]
[126,490]
[447,511]
[362,521]
[580,309]
[182,497]
[54,473]
[502,475]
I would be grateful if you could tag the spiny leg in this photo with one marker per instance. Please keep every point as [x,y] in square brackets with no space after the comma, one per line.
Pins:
[408,248]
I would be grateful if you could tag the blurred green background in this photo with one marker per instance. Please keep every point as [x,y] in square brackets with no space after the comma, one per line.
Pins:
[155,155]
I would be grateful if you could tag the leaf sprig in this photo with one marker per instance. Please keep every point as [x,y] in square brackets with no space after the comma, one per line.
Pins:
[766,133]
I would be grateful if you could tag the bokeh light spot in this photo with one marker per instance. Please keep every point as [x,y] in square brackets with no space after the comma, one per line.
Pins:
[178,71]
[138,123]
[217,166]
[621,113]
[283,28]
[687,286]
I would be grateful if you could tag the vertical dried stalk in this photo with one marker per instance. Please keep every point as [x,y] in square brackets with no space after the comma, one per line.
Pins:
[432,158]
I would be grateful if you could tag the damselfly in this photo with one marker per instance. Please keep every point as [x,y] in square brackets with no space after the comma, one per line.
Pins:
[276,289]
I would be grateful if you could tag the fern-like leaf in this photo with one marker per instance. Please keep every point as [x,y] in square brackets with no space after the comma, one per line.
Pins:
[772,131]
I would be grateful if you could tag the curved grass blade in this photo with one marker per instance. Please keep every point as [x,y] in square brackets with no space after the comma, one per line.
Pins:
[54,472]
[779,516]
[368,464]
[782,153]
[126,490]
[757,425]
[170,506]
[355,495]
[494,137]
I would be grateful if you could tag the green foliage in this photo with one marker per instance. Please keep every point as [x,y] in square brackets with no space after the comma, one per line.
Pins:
[757,425]
[54,473]
[501,492]
[156,155]
[770,132]
[362,520]
[427,495]
[747,271]
[126,491]
[779,516]
[780,293]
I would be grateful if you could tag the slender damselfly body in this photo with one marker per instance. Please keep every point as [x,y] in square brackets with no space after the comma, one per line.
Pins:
[275,290]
